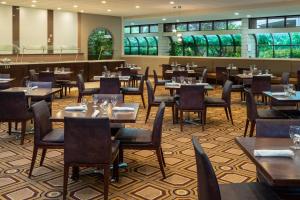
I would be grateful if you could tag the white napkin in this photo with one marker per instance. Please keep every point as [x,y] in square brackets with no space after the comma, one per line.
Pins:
[172,84]
[279,93]
[4,79]
[205,84]
[123,109]
[97,78]
[75,108]
[274,153]
[95,113]
[34,87]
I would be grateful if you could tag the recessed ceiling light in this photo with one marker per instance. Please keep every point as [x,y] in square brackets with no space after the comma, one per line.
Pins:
[75,6]
[3,2]
[236,13]
[33,5]
[164,19]
[34,1]
[137,6]
[177,20]
[108,10]
[248,16]
[104,2]
[58,8]
[172,2]
[82,11]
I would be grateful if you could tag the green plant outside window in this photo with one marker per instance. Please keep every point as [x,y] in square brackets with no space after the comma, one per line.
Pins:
[100,44]
[140,46]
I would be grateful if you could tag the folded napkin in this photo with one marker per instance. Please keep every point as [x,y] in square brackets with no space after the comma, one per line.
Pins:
[279,93]
[274,153]
[75,108]
[123,109]
[205,84]
[172,84]
[34,87]
[5,79]
[97,78]
[95,113]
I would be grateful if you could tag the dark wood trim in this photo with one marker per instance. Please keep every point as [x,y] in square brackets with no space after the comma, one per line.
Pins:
[16,26]
[50,34]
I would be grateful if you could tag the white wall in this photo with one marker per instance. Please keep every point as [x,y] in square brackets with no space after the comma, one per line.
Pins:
[65,31]
[33,29]
[5,29]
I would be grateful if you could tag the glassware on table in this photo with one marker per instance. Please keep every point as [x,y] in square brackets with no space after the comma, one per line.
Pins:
[173,79]
[295,136]
[47,70]
[190,80]
[266,71]
[28,86]
[114,101]
[95,101]
[84,103]
[104,106]
[200,79]
[181,78]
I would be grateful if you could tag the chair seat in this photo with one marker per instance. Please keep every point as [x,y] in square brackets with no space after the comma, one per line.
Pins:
[88,91]
[115,127]
[246,191]
[271,114]
[210,101]
[55,136]
[129,90]
[237,87]
[166,99]
[134,136]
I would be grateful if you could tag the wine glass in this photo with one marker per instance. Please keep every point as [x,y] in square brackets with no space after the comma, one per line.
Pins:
[200,79]
[173,79]
[181,78]
[95,101]
[114,101]
[295,136]
[84,102]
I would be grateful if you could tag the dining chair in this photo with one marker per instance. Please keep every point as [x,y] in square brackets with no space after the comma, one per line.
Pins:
[50,77]
[253,114]
[155,101]
[126,71]
[7,85]
[235,87]
[48,99]
[110,86]
[94,148]
[158,82]
[219,75]
[141,139]
[260,84]
[45,137]
[33,75]
[188,104]
[166,67]
[209,189]
[224,101]
[82,91]
[14,108]
[204,75]
[278,128]
[285,78]
[73,83]
[130,91]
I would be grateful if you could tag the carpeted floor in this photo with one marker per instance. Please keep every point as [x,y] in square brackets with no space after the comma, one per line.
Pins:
[142,179]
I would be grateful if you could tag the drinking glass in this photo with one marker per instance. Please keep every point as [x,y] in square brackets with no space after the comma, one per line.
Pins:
[200,79]
[84,103]
[48,70]
[28,86]
[95,101]
[295,136]
[190,80]
[104,106]
[173,79]
[181,78]
[114,101]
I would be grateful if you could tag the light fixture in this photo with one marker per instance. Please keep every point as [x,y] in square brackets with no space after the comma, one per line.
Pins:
[33,5]
[236,13]
[108,10]
[82,11]
[164,19]
[174,30]
[103,2]
[58,8]
[34,1]
[137,6]
[75,6]
[172,2]
[3,2]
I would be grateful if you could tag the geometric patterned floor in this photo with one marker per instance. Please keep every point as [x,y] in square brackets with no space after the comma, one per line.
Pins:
[142,180]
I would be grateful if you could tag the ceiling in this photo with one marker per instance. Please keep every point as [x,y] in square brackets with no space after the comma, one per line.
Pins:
[157,9]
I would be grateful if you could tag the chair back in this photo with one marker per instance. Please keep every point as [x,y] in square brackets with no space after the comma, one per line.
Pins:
[278,128]
[155,77]
[219,74]
[41,84]
[166,67]
[141,86]
[87,141]
[7,85]
[177,73]
[47,77]
[146,75]
[4,75]
[157,125]
[208,187]
[33,75]
[191,97]
[251,105]
[226,94]
[260,84]
[125,71]
[204,75]
[108,97]
[14,106]
[150,92]
[110,86]
[80,83]
[42,123]
[285,78]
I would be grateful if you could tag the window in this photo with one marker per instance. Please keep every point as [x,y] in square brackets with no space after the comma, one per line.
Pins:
[214,49]
[152,45]
[201,45]
[169,27]
[206,26]
[145,29]
[143,46]
[295,45]
[134,46]
[188,46]
[261,23]
[154,28]
[220,25]
[234,25]
[100,44]
[277,22]
[135,29]
[126,46]
[127,30]
[140,46]
[181,27]
[227,46]
[193,26]
[264,45]
[176,47]
[293,21]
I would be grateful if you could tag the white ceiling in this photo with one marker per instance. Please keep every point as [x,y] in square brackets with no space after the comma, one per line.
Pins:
[154,10]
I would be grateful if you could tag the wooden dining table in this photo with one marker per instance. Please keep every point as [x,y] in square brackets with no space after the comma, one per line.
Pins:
[121,78]
[281,173]
[6,80]
[176,86]
[37,92]
[190,72]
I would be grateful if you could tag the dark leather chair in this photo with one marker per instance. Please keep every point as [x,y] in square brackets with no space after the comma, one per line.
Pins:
[48,99]
[166,67]
[88,144]
[260,84]
[158,82]
[204,75]
[138,77]
[188,104]
[253,114]
[209,189]
[50,77]
[235,87]
[157,100]
[110,86]
[45,137]
[82,91]
[129,91]
[225,101]
[278,104]
[278,128]
[33,75]
[14,108]
[72,83]
[4,86]
[219,75]
[132,138]
[285,78]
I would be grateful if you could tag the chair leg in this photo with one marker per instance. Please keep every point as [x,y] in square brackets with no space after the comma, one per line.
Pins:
[116,168]
[252,128]
[181,120]
[66,176]
[121,155]
[148,113]
[154,89]
[23,130]
[203,119]
[142,95]
[106,181]
[163,158]
[9,128]
[160,161]
[173,114]
[246,127]
[16,125]
[230,114]
[33,159]
[43,156]
[225,108]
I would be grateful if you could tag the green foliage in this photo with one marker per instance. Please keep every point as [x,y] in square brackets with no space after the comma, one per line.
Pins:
[100,45]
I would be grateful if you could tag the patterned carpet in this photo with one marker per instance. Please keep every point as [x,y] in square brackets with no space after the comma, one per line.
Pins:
[142,180]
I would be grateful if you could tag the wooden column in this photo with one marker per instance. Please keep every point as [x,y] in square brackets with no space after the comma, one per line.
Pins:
[16,27]
[50,35]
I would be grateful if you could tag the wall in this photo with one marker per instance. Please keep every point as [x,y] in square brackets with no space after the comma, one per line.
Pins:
[89,22]
[5,29]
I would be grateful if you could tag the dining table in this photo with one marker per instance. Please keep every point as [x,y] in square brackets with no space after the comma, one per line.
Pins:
[121,78]
[34,91]
[190,72]
[176,86]
[281,173]
[6,80]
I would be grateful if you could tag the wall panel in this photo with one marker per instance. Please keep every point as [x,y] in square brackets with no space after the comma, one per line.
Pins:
[5,29]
